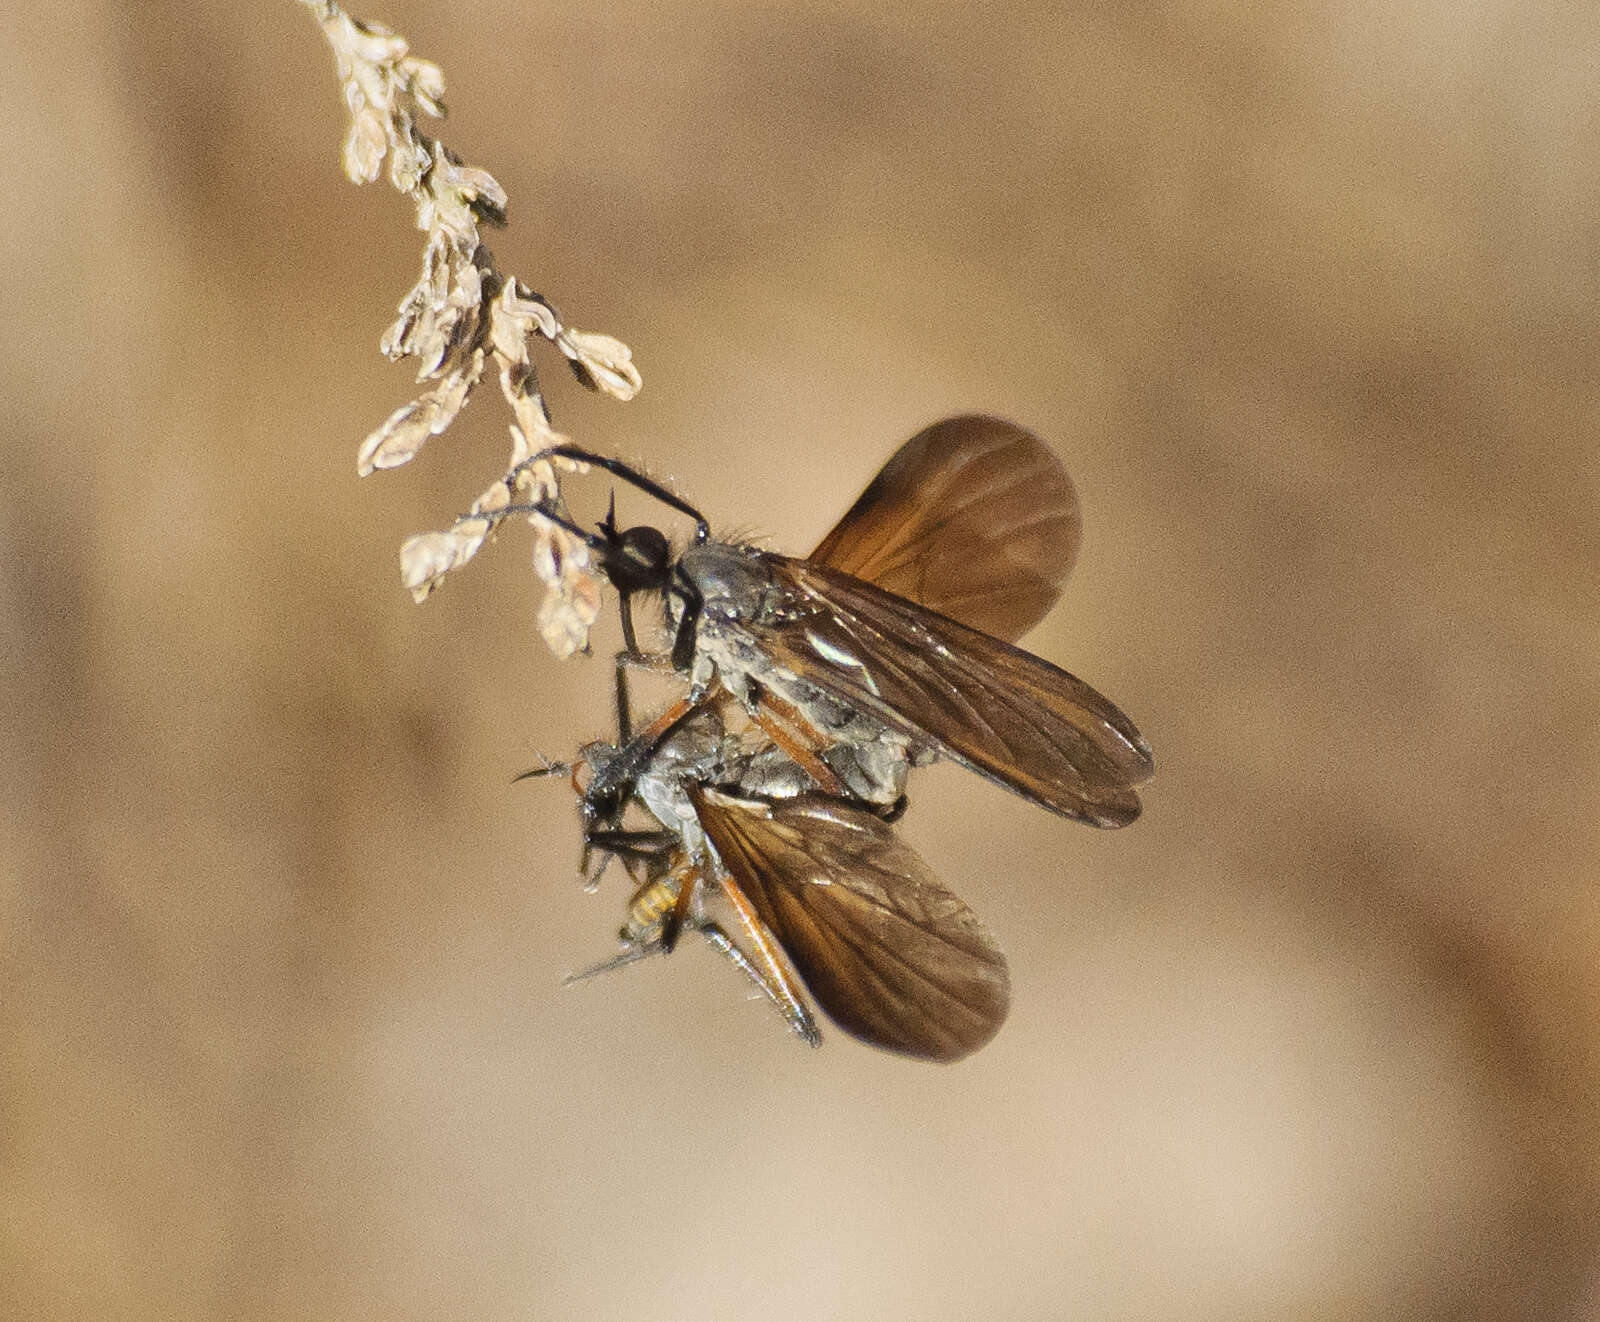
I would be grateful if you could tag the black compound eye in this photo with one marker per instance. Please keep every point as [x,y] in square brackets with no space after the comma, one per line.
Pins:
[638,559]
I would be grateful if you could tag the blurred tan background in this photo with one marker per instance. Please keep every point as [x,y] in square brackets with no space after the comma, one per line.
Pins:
[1306,297]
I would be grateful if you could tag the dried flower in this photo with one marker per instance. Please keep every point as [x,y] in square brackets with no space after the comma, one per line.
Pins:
[428,556]
[461,314]
[601,362]
[402,434]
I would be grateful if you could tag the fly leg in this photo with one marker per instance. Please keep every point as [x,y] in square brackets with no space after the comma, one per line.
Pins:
[797,1016]
[636,846]
[769,970]
[664,906]
[684,910]
[797,738]
[658,895]
[628,474]
[801,742]
[630,647]
[630,658]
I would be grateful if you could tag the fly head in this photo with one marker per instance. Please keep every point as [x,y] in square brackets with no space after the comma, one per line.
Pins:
[637,559]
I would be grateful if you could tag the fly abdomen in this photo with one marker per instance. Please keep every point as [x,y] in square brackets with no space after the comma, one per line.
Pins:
[648,910]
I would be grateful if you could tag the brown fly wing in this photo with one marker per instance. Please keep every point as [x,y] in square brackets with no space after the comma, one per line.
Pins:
[893,956]
[973,517]
[1003,712]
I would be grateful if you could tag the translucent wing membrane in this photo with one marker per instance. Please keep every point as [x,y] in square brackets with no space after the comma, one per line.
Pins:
[1003,712]
[973,517]
[892,955]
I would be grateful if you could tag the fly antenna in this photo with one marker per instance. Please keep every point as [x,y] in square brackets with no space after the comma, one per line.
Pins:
[547,768]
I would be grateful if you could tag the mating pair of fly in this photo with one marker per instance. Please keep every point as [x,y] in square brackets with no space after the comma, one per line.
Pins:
[814,685]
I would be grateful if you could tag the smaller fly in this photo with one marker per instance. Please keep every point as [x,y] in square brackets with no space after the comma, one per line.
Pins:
[893,643]
[818,891]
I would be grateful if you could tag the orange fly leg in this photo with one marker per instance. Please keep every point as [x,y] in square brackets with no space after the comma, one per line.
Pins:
[797,738]
[659,728]
[787,711]
[770,968]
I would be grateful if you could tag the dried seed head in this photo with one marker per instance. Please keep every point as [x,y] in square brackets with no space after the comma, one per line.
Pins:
[405,430]
[565,617]
[427,557]
[460,315]
[365,144]
[425,81]
[601,362]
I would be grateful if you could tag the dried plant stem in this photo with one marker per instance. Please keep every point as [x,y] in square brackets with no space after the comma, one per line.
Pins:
[461,316]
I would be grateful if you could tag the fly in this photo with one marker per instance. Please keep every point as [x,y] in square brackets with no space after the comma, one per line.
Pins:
[893,643]
[800,889]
